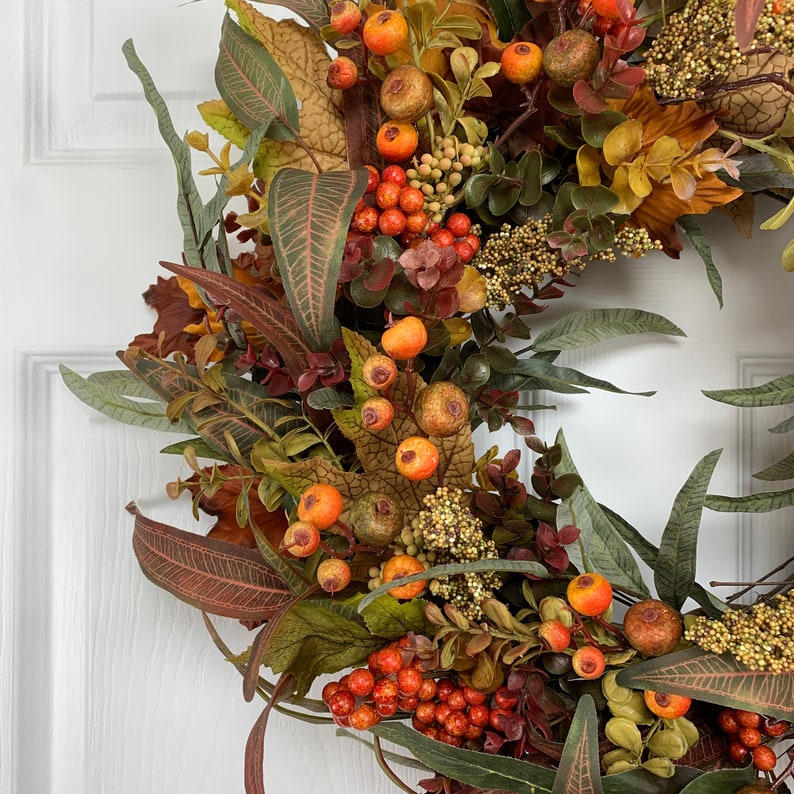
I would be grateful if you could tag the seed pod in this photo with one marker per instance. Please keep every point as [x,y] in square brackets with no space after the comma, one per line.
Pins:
[376,519]
[652,627]
[668,744]
[441,409]
[624,733]
[661,767]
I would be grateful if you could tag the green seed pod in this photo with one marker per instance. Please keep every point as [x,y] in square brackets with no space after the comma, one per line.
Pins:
[688,729]
[553,608]
[635,710]
[667,744]
[624,733]
[616,756]
[620,766]
[613,692]
[376,519]
[661,767]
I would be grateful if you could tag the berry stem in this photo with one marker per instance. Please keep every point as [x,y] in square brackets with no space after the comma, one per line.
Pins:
[388,771]
[529,108]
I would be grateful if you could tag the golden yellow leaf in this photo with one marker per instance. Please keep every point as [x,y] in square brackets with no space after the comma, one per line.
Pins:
[588,161]
[471,289]
[638,177]
[302,56]
[623,142]
[459,330]
[629,200]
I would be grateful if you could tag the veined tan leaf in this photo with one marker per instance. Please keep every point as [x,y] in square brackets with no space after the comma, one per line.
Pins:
[302,56]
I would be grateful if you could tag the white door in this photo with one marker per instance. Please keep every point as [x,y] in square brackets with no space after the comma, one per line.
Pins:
[108,684]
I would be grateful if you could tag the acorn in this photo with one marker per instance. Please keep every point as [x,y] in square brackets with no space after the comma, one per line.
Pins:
[376,519]
[441,409]
[652,627]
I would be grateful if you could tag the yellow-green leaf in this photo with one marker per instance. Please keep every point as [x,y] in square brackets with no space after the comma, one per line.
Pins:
[588,164]
[622,143]
[620,185]
[638,178]
[218,116]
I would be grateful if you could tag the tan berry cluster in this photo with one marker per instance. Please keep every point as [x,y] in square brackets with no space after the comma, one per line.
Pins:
[697,45]
[449,528]
[761,637]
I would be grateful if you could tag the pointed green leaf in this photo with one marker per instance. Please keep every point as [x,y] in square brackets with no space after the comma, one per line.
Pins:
[595,325]
[719,781]
[578,772]
[674,572]
[108,401]
[754,503]
[387,617]
[782,470]
[714,679]
[200,448]
[253,85]
[604,547]
[510,16]
[779,391]
[309,216]
[786,426]
[700,242]
[328,398]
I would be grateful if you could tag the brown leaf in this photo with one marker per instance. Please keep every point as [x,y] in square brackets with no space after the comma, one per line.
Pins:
[223,505]
[216,577]
[742,212]
[174,313]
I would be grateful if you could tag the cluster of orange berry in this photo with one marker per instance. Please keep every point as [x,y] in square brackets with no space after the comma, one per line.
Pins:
[746,731]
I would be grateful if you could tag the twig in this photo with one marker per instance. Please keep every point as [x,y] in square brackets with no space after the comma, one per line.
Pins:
[389,772]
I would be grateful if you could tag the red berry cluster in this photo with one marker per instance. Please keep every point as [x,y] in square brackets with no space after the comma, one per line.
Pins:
[393,681]
[398,208]
[456,232]
[746,731]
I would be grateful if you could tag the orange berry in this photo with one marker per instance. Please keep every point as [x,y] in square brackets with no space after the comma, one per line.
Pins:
[464,251]
[373,179]
[300,539]
[416,221]
[416,458]
[398,568]
[606,8]
[397,140]
[333,575]
[443,238]
[588,662]
[473,241]
[459,224]
[411,200]
[365,220]
[665,705]
[405,339]
[589,594]
[386,32]
[377,414]
[396,174]
[364,717]
[321,504]
[379,372]
[345,16]
[764,758]
[555,634]
[391,222]
[342,73]
[387,195]
[522,62]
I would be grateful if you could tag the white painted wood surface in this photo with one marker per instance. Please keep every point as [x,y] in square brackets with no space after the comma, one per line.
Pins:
[106,683]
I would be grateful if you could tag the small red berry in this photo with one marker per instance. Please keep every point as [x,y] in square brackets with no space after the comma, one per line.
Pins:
[442,712]
[505,698]
[473,241]
[387,195]
[773,727]
[456,724]
[457,700]
[345,16]
[464,251]
[408,703]
[448,739]
[738,753]
[749,737]
[409,681]
[426,712]
[497,718]
[473,732]
[727,721]
[395,174]
[391,222]
[329,689]
[373,179]
[361,682]
[386,708]
[479,715]
[764,758]
[342,73]
[385,691]
[411,200]
[342,703]
[416,222]
[459,224]
[388,661]
[474,696]
[444,687]
[365,221]
[428,689]
[443,238]
[364,718]
[748,719]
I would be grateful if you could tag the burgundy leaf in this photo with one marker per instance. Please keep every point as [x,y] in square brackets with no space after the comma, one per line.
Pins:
[216,577]
[587,99]
[380,276]
[272,319]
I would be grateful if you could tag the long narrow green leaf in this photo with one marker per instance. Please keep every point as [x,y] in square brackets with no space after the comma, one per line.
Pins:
[596,325]
[578,772]
[700,242]
[714,679]
[150,415]
[674,573]
[122,381]
[754,503]
[779,391]
[782,470]
[786,426]
[200,448]
[253,85]
[605,548]
[309,216]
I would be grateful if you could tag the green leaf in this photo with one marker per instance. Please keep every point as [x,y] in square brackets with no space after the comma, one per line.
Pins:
[578,772]
[714,679]
[782,470]
[718,781]
[604,547]
[786,426]
[477,769]
[314,12]
[200,448]
[674,572]
[309,216]
[700,242]
[531,165]
[327,398]
[108,401]
[779,391]
[595,325]
[311,641]
[253,85]
[758,173]
[510,16]
[596,199]
[479,566]
[754,503]
[387,617]
[596,126]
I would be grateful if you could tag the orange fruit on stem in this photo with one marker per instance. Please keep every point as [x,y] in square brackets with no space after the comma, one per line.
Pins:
[589,594]
[665,705]
[333,575]
[379,372]
[385,32]
[522,62]
[320,504]
[397,140]
[588,662]
[416,458]
[606,8]
[405,339]
[300,539]
[377,414]
[399,567]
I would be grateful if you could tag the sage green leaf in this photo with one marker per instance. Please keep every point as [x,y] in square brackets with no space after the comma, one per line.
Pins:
[782,470]
[596,199]
[477,769]
[757,173]
[309,215]
[700,242]
[778,391]
[313,12]
[715,679]
[122,381]
[200,448]
[591,326]
[596,126]
[253,85]
[479,566]
[387,617]
[328,398]
[311,641]
[754,503]
[510,16]
[674,572]
[108,401]
[578,772]
[718,781]
[604,547]
[786,426]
